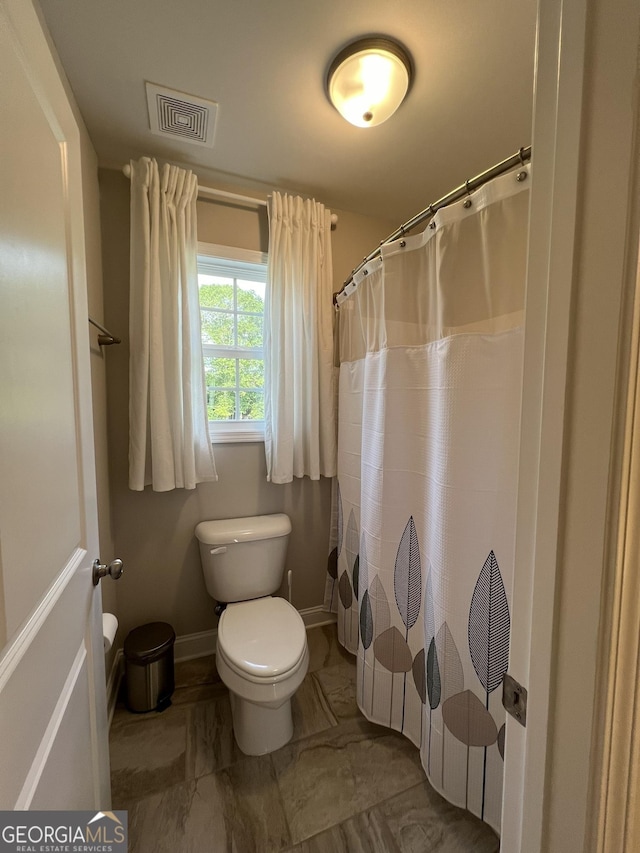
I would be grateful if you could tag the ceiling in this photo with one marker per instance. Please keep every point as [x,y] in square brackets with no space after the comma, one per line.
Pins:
[264,61]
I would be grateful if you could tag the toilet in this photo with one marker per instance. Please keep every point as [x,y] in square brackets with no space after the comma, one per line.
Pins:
[261,650]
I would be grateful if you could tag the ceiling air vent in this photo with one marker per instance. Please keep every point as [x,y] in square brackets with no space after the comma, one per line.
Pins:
[176,114]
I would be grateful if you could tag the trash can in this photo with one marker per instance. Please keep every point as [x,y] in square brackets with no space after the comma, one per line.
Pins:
[148,656]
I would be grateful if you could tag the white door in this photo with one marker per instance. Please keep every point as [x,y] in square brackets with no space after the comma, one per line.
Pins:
[53,721]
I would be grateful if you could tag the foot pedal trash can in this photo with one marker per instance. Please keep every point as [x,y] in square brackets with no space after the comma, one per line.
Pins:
[148,656]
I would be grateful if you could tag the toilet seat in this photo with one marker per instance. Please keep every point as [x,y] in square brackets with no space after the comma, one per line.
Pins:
[263,640]
[260,679]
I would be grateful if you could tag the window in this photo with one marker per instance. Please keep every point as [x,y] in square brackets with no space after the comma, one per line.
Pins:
[232,289]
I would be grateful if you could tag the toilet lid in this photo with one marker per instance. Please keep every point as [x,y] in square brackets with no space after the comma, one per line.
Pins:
[264,637]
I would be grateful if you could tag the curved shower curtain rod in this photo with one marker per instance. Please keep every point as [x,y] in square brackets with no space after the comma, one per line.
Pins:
[520,157]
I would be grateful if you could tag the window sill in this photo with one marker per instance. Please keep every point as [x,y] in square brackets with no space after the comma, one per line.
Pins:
[234,436]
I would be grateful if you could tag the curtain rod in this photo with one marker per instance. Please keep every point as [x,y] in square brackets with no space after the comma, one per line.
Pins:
[207,192]
[210,192]
[520,158]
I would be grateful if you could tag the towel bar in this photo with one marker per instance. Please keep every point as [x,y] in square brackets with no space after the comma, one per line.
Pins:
[106,339]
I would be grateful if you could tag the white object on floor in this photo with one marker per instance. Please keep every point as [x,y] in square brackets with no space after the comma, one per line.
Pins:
[109,628]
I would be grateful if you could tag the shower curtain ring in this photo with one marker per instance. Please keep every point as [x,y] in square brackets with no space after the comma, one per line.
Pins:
[522,175]
[467,201]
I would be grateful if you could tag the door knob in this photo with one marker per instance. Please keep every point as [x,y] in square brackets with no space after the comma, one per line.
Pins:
[115,569]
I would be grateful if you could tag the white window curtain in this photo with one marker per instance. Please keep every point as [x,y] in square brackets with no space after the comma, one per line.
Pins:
[169,444]
[300,426]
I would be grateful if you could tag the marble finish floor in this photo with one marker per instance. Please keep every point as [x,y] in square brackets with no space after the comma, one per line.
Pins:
[342,785]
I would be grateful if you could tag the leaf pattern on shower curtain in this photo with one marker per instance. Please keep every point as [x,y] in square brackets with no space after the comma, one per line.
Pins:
[450,671]
[489,628]
[429,620]
[392,651]
[365,617]
[433,676]
[407,585]
[363,569]
[332,564]
[381,621]
[344,588]
[419,672]
[432,666]
[340,520]
[366,622]
[380,606]
[501,737]
[470,722]
[334,554]
[407,576]
[351,545]
[356,577]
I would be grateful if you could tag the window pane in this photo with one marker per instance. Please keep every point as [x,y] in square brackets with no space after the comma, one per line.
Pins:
[221,405]
[215,291]
[232,311]
[249,330]
[252,405]
[220,372]
[251,296]
[251,371]
[217,328]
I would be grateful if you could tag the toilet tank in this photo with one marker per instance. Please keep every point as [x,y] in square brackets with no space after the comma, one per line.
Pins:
[243,558]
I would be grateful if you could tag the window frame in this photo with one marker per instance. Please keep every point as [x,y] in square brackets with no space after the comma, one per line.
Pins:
[232,431]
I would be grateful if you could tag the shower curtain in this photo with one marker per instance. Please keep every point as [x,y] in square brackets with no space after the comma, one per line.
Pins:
[429,340]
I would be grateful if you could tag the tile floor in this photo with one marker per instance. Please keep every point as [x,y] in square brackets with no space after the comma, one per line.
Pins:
[342,785]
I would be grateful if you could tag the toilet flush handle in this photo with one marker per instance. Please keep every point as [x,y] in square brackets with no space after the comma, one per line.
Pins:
[221,550]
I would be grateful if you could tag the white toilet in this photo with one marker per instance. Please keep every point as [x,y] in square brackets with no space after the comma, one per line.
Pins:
[261,652]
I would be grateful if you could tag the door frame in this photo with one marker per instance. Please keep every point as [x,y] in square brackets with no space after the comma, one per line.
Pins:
[581,276]
[615,823]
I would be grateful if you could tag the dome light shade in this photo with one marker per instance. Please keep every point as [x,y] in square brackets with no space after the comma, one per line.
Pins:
[368,80]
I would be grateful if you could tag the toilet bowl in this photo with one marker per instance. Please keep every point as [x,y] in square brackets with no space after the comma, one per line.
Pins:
[262,657]
[261,649]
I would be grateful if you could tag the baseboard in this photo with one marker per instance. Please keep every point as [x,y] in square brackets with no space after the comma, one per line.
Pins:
[316,617]
[190,646]
[198,645]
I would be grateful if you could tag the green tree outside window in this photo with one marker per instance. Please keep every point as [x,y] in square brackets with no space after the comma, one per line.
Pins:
[232,311]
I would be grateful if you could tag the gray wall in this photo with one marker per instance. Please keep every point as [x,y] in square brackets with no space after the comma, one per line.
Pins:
[99,357]
[153,532]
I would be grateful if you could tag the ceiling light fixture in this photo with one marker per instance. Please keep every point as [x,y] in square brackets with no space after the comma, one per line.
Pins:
[368,80]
